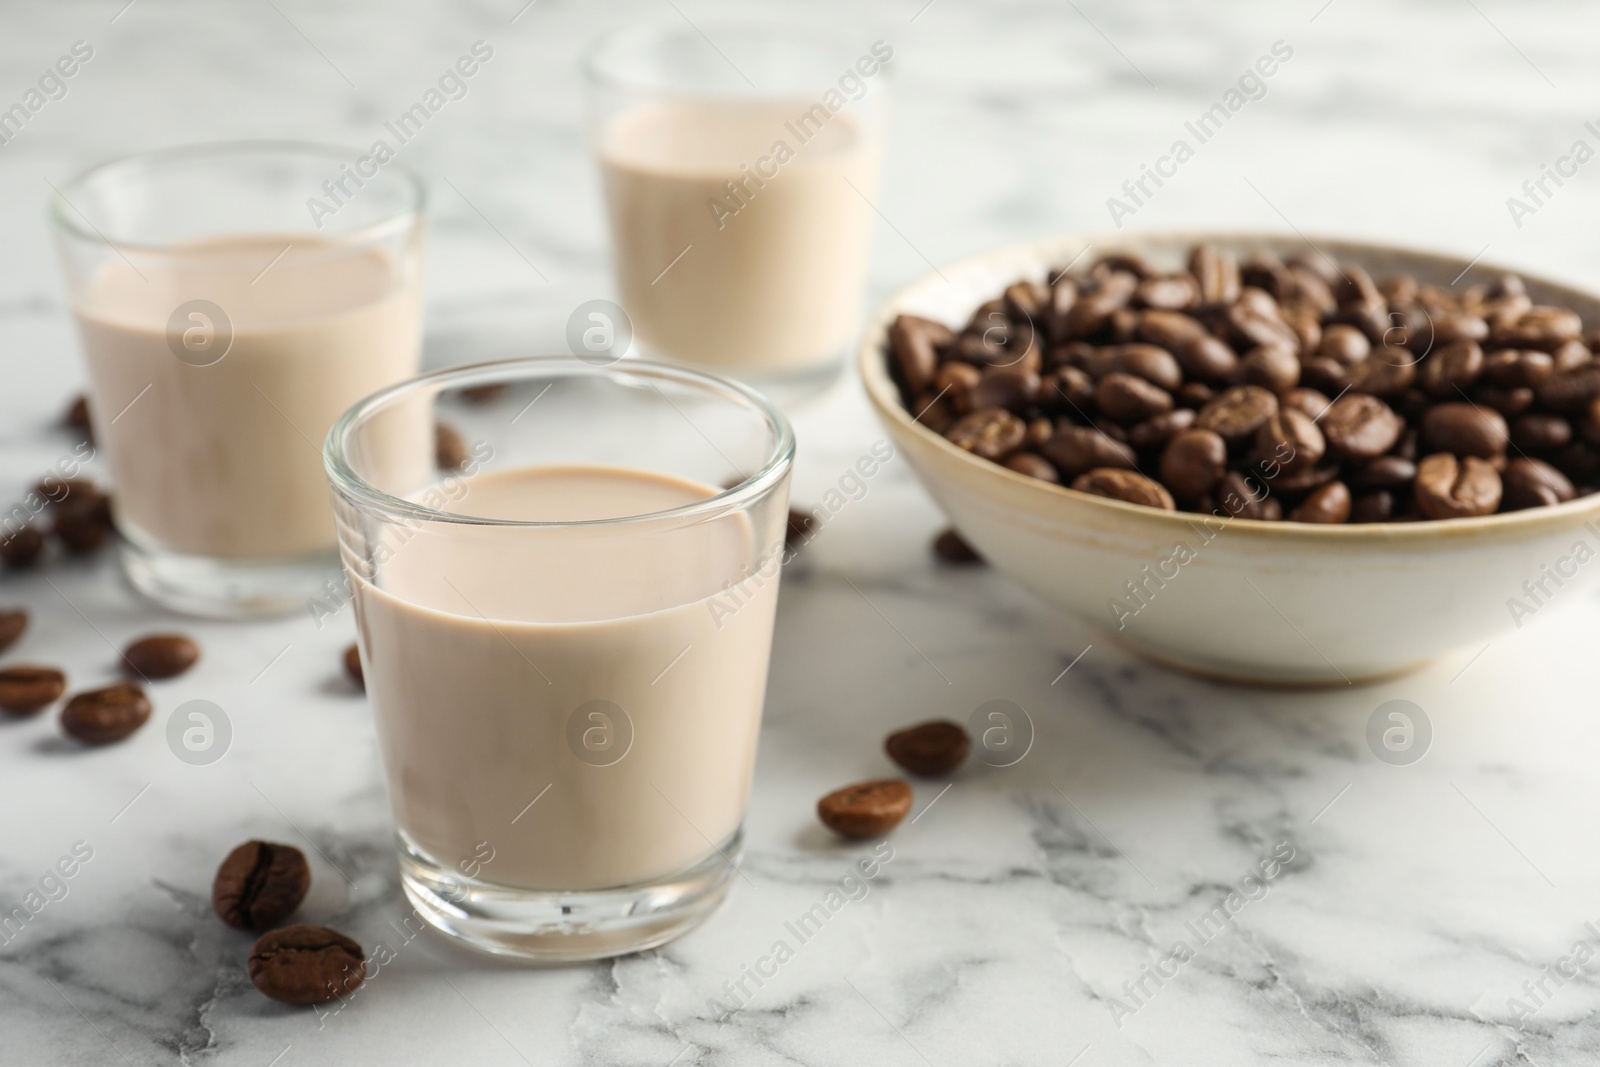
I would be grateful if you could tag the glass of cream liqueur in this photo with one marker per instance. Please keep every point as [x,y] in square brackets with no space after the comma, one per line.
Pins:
[739,168]
[565,642]
[232,301]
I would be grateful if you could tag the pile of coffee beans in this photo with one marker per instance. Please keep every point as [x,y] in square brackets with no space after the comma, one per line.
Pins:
[74,510]
[873,808]
[258,886]
[1280,389]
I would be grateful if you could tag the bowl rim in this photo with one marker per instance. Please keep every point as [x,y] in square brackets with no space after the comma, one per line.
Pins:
[872,367]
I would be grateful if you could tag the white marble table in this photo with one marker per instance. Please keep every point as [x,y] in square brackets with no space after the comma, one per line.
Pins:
[1419,900]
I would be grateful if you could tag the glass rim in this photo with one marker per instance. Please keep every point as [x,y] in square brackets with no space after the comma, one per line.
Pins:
[362,493]
[61,205]
[596,74]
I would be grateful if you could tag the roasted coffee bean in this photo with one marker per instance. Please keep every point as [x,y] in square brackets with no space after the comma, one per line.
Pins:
[101,716]
[1271,367]
[1329,504]
[1004,387]
[1356,288]
[866,809]
[82,523]
[56,490]
[1078,449]
[1360,427]
[1533,483]
[1239,413]
[26,690]
[1387,373]
[485,394]
[1093,310]
[1040,430]
[1027,301]
[1266,271]
[1209,359]
[1195,395]
[352,667]
[799,528]
[955,381]
[951,547]
[1069,389]
[1385,472]
[1290,439]
[259,885]
[1312,290]
[1570,356]
[1579,461]
[1169,291]
[1309,401]
[1194,462]
[1324,375]
[12,625]
[1218,275]
[1465,430]
[1451,368]
[1169,330]
[989,433]
[1128,486]
[161,655]
[1063,294]
[1515,368]
[1448,488]
[450,448]
[1507,285]
[1127,398]
[1344,344]
[1254,320]
[931,749]
[1246,497]
[1033,465]
[1544,328]
[1540,433]
[1107,428]
[1294,483]
[1507,402]
[1155,365]
[77,417]
[1159,429]
[1373,507]
[934,411]
[1571,391]
[306,965]
[22,548]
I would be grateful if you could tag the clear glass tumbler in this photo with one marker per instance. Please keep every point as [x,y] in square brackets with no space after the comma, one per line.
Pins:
[565,641]
[740,160]
[232,301]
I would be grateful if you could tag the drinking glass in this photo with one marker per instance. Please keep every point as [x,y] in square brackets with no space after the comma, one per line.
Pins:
[740,160]
[232,301]
[565,641]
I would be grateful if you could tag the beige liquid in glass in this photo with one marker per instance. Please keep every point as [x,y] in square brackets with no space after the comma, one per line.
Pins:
[225,460]
[482,642]
[774,280]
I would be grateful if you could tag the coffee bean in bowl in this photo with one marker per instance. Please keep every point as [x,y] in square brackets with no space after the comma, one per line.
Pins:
[306,965]
[1313,540]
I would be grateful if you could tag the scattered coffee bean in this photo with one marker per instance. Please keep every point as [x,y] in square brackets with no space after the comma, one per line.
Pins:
[950,547]
[1116,366]
[12,625]
[484,394]
[352,667]
[161,655]
[77,417]
[101,716]
[306,965]
[931,750]
[799,529]
[28,690]
[450,448]
[83,522]
[866,809]
[259,885]
[22,548]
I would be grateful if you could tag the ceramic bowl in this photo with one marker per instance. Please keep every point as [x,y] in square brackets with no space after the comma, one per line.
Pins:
[1239,599]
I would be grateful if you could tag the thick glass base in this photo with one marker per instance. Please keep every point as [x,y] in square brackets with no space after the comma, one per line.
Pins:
[227,589]
[552,925]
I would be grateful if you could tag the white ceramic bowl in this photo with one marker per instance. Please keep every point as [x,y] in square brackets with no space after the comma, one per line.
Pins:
[1280,603]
